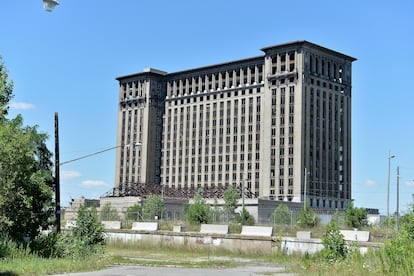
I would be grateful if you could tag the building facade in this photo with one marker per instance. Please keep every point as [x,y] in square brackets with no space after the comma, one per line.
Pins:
[279,125]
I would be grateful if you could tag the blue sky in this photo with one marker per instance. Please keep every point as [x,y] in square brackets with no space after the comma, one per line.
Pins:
[67,61]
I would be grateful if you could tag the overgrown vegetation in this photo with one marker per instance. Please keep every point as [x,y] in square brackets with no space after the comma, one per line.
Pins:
[134,213]
[108,213]
[355,217]
[199,211]
[244,218]
[335,248]
[307,218]
[26,181]
[153,207]
[231,196]
[282,215]
[82,245]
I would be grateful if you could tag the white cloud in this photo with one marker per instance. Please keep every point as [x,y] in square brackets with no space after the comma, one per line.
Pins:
[21,105]
[370,183]
[70,175]
[94,183]
[409,183]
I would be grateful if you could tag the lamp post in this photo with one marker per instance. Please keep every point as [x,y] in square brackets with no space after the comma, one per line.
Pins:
[388,185]
[49,5]
[397,215]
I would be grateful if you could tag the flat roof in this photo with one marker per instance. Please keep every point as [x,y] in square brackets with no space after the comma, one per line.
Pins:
[309,44]
[298,43]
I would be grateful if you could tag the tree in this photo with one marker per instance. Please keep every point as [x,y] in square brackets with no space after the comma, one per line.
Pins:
[281,215]
[231,196]
[109,213]
[244,217]
[153,207]
[199,211]
[88,235]
[216,213]
[307,218]
[6,91]
[355,217]
[26,181]
[134,212]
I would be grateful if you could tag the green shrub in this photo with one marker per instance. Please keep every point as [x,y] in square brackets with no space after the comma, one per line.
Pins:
[244,218]
[199,211]
[48,246]
[334,244]
[355,217]
[281,215]
[10,249]
[153,207]
[108,213]
[134,213]
[307,218]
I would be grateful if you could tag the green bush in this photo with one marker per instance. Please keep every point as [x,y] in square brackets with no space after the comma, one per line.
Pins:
[244,218]
[307,218]
[199,211]
[48,246]
[108,213]
[355,217]
[334,244]
[10,249]
[153,207]
[134,213]
[281,215]
[398,253]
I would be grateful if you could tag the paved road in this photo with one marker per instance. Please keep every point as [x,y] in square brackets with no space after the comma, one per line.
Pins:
[249,270]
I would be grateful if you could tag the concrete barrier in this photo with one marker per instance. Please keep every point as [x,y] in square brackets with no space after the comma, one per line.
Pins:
[355,235]
[145,226]
[178,228]
[112,224]
[233,243]
[262,231]
[301,246]
[304,235]
[214,229]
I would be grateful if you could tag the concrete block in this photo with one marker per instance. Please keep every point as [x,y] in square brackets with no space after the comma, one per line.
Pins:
[214,229]
[145,226]
[112,224]
[355,235]
[178,228]
[304,235]
[263,231]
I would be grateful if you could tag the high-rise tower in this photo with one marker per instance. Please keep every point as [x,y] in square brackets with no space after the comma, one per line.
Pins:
[280,123]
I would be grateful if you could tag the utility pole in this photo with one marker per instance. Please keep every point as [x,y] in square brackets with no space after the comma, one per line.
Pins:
[388,185]
[57,174]
[397,215]
[304,192]
[243,183]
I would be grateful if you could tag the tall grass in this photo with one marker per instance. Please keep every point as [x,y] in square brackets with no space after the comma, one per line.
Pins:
[34,265]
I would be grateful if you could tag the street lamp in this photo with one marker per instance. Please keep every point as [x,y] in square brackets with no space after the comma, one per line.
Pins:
[397,215]
[388,185]
[49,5]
